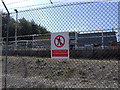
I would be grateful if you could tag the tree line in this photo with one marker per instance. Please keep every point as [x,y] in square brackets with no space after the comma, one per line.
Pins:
[24,27]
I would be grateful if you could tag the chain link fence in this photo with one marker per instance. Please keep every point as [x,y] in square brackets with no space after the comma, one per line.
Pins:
[94,44]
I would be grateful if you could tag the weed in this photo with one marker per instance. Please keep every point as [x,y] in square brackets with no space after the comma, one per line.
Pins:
[84,80]
[69,72]
[39,61]
[82,73]
[47,76]
[74,83]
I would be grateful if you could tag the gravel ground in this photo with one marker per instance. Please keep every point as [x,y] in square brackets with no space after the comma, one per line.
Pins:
[32,72]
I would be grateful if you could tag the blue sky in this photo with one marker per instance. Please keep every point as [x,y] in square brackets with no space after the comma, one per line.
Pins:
[78,17]
[21,4]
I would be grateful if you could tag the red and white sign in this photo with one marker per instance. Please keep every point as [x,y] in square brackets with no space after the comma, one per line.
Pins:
[60,45]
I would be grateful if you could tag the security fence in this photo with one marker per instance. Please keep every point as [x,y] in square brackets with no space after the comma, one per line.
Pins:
[94,44]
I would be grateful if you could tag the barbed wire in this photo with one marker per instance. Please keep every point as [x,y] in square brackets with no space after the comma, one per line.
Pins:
[54,6]
[45,5]
[15,2]
[35,5]
[60,3]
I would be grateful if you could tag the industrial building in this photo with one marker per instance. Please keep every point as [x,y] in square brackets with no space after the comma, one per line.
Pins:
[76,41]
[100,39]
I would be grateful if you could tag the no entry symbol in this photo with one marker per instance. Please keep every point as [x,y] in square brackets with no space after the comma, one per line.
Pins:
[59,41]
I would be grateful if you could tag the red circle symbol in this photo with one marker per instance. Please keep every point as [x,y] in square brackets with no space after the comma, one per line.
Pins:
[59,41]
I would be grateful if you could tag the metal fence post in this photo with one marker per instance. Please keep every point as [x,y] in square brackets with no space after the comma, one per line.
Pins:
[1,43]
[102,40]
[16,26]
[6,50]
[7,33]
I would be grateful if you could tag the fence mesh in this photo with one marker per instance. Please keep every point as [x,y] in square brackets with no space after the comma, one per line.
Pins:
[94,44]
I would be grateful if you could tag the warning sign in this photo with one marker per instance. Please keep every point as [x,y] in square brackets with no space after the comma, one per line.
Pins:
[59,41]
[60,45]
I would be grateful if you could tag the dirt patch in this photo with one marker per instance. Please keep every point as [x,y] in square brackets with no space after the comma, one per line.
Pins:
[72,73]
